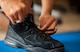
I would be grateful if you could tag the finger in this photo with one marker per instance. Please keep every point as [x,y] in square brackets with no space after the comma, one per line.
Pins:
[47,24]
[42,23]
[16,16]
[20,16]
[13,16]
[52,26]
[12,19]
[23,12]
[51,32]
[23,9]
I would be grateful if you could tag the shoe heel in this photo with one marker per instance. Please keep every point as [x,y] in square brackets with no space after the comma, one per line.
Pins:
[11,42]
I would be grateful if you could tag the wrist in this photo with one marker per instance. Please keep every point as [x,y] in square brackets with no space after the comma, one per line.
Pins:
[45,13]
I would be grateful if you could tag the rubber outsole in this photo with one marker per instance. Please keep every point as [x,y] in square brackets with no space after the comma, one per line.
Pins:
[17,44]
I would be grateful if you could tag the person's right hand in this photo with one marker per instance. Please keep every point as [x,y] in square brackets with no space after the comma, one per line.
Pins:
[15,10]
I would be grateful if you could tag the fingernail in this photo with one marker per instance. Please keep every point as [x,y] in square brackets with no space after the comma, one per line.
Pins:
[18,21]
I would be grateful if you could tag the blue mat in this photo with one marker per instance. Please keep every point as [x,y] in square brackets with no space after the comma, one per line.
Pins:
[71,41]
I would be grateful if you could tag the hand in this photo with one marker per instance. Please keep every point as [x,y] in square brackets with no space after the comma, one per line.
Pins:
[48,23]
[15,10]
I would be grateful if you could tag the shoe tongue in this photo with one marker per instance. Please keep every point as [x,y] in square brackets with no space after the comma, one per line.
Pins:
[19,27]
[29,18]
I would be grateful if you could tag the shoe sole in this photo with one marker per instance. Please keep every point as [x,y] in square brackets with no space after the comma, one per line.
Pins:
[17,44]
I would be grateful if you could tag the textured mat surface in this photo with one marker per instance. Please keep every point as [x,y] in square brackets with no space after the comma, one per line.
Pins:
[71,40]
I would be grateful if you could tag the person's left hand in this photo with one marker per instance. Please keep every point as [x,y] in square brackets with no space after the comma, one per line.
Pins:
[48,23]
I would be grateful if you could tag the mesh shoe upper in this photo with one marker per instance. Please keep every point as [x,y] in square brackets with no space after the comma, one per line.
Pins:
[27,32]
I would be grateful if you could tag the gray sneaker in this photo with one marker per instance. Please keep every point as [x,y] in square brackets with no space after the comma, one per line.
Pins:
[26,35]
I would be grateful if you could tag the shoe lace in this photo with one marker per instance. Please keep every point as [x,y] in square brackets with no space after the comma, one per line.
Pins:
[31,26]
[34,30]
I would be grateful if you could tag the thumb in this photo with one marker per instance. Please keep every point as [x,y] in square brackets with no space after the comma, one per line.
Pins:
[42,23]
